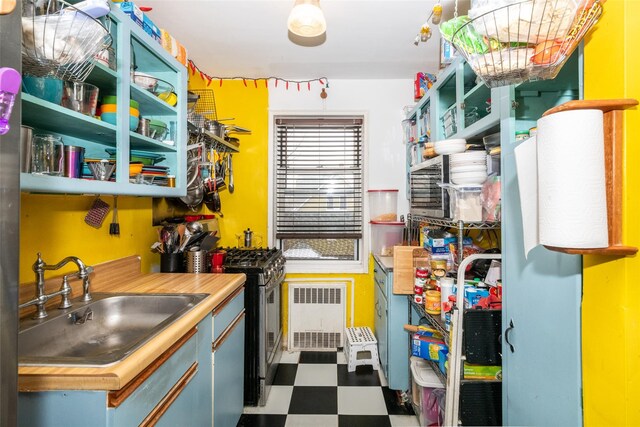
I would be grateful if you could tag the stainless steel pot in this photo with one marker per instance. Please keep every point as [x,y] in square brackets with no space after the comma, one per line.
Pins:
[217,128]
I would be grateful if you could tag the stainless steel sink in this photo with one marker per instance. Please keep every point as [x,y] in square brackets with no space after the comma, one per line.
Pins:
[118,325]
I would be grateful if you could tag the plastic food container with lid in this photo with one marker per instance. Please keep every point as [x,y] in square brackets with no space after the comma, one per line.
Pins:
[427,392]
[384,236]
[383,205]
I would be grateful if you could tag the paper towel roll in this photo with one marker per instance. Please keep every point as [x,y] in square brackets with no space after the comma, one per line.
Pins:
[572,200]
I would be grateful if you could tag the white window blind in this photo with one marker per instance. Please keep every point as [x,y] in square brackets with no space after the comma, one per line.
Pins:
[319,176]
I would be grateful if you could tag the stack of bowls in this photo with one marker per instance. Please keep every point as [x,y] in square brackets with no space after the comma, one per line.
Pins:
[47,88]
[109,107]
[468,168]
[450,146]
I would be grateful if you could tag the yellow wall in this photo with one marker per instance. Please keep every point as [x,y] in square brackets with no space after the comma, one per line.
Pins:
[247,206]
[54,225]
[611,300]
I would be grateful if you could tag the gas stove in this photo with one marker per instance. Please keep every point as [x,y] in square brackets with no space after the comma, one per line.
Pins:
[267,263]
[254,258]
[264,268]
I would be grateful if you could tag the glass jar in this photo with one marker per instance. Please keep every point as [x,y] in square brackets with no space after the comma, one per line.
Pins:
[47,155]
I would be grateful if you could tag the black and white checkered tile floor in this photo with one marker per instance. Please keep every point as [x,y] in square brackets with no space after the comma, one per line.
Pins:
[315,389]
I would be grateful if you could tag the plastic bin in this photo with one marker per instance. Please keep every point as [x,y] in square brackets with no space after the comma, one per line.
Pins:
[465,203]
[383,205]
[427,393]
[384,236]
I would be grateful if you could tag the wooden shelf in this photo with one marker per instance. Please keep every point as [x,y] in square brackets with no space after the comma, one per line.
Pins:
[617,250]
[47,116]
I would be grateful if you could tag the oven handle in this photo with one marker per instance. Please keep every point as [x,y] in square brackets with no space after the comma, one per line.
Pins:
[275,282]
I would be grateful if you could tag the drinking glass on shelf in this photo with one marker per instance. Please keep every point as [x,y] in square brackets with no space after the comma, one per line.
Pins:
[47,155]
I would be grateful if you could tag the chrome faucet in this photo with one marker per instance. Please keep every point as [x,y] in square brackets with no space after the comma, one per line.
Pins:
[39,267]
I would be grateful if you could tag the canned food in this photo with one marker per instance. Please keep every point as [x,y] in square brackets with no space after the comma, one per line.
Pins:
[521,135]
[432,302]
[421,276]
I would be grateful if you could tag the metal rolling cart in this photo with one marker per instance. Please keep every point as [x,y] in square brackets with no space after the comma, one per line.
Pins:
[454,379]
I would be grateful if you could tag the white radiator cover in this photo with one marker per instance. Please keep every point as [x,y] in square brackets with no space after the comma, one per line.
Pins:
[317,315]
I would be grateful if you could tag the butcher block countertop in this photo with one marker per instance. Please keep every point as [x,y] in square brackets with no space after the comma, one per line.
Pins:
[121,277]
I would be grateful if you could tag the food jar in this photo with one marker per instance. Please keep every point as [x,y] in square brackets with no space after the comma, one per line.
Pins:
[521,135]
[432,302]
[384,236]
[383,205]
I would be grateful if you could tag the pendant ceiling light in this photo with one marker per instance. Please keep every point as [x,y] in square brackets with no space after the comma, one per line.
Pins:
[306,19]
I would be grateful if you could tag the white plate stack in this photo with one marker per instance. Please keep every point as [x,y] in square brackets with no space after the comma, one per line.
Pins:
[450,146]
[468,168]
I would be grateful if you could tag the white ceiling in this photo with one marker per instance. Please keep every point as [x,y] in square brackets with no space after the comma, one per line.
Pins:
[366,39]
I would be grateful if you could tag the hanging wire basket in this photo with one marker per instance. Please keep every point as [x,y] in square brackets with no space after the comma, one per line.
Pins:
[59,40]
[522,41]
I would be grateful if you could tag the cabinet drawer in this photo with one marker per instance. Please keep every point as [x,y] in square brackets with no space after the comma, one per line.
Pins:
[380,277]
[131,404]
[226,311]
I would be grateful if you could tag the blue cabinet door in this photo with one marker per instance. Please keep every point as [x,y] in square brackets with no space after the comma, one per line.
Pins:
[542,296]
[396,340]
[228,385]
[380,323]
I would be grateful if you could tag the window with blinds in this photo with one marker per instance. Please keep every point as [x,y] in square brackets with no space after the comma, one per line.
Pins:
[319,174]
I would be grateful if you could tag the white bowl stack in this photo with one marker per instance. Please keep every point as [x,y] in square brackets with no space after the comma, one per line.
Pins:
[469,168]
[450,146]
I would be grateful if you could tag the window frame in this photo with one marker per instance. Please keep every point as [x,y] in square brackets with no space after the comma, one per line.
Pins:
[321,266]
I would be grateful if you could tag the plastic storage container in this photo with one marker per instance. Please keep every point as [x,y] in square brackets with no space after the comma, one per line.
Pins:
[384,236]
[427,393]
[383,205]
[465,203]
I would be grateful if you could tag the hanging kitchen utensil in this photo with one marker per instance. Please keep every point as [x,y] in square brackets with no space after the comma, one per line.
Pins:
[237,129]
[97,213]
[230,168]
[114,227]
[216,205]
[209,183]
[195,193]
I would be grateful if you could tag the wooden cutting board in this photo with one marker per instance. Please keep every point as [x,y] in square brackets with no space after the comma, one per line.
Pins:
[405,261]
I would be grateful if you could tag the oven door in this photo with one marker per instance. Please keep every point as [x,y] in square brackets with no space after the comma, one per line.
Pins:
[270,335]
